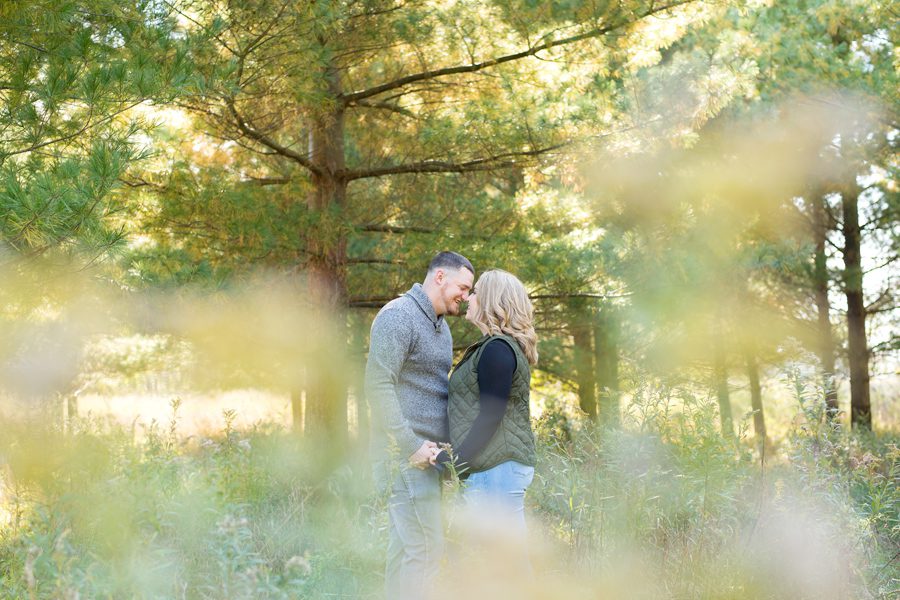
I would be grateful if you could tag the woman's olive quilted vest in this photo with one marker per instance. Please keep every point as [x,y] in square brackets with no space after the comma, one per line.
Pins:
[514,439]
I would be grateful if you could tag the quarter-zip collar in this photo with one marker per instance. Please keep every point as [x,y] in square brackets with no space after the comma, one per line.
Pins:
[417,293]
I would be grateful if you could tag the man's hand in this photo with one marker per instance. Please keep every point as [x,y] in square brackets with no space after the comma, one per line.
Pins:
[421,458]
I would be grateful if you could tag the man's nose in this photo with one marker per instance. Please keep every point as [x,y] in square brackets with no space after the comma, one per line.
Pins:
[465,296]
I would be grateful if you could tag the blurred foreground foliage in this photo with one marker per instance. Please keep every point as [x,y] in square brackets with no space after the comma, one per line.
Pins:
[655,236]
[664,507]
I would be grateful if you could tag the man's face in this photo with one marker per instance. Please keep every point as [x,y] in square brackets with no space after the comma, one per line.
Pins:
[455,285]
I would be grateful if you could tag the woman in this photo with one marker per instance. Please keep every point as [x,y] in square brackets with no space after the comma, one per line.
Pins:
[490,420]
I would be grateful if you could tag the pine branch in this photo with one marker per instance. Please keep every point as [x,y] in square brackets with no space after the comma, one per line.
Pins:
[73,135]
[259,39]
[186,15]
[389,107]
[412,229]
[32,46]
[882,303]
[370,302]
[376,13]
[886,346]
[136,182]
[886,263]
[264,181]
[491,163]
[882,309]
[354,97]
[375,261]
[251,132]
[394,229]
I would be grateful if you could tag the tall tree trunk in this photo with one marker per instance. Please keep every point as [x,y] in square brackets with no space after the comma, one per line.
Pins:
[825,347]
[606,366]
[720,377]
[327,251]
[759,420]
[858,350]
[326,403]
[584,367]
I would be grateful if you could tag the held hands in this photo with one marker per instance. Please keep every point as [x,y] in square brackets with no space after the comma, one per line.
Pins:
[425,455]
[444,447]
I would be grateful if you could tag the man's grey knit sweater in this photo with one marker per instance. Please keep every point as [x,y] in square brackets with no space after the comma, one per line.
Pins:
[410,356]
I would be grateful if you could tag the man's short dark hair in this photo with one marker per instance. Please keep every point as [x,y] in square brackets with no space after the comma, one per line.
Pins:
[450,260]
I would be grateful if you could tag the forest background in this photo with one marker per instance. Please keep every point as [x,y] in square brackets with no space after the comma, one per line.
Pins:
[203,204]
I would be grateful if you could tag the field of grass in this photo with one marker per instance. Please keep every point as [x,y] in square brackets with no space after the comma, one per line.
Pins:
[662,508]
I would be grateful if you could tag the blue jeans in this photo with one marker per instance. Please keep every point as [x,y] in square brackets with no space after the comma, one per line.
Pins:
[502,490]
[416,533]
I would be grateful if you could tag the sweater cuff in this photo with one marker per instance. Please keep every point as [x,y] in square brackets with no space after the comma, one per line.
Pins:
[442,461]
[410,446]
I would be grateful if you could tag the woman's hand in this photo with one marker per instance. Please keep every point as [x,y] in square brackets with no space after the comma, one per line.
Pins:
[444,447]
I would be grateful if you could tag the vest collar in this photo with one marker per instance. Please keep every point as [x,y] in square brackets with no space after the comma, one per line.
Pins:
[473,348]
[418,295]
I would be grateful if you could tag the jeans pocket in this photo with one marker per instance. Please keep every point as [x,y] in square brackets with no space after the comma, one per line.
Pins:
[475,478]
[524,474]
[420,483]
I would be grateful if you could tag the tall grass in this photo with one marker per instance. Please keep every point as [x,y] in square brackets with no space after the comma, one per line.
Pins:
[663,508]
[691,514]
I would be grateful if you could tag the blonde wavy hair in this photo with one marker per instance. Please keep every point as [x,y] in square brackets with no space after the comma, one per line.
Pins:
[503,307]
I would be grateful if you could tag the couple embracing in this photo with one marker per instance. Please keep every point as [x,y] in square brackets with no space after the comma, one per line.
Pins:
[481,410]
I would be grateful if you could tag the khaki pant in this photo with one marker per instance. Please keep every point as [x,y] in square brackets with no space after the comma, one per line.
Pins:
[416,535]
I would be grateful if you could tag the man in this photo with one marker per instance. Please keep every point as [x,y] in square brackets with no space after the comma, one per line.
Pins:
[410,357]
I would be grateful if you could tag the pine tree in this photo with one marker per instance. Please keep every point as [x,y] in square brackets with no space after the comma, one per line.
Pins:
[71,76]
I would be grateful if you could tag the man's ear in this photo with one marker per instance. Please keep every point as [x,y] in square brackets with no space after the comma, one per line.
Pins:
[439,276]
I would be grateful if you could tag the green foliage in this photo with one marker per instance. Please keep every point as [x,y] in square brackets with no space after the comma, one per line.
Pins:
[699,242]
[704,518]
[64,203]
[241,515]
[116,364]
[289,70]
[664,508]
[71,74]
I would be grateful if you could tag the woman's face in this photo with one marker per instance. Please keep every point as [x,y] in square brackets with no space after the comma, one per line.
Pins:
[472,311]
[472,308]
